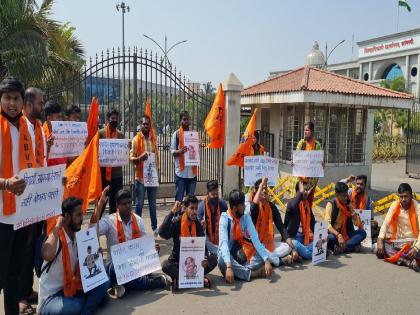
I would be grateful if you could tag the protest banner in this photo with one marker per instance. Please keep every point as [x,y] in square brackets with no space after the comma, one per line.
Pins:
[191,254]
[91,263]
[69,138]
[114,152]
[192,142]
[258,166]
[41,198]
[308,163]
[365,216]
[319,253]
[150,175]
[135,258]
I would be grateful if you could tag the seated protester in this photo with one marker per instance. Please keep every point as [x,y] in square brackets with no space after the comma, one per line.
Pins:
[209,211]
[403,218]
[118,227]
[265,215]
[341,218]
[300,222]
[179,224]
[237,240]
[60,286]
[361,200]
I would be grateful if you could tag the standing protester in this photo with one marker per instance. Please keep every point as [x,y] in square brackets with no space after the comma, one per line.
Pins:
[185,176]
[141,146]
[73,113]
[52,112]
[112,176]
[256,146]
[17,153]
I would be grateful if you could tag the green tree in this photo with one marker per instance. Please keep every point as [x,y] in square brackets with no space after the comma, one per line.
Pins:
[34,47]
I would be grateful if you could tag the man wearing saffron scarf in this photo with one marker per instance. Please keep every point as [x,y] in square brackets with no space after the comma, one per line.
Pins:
[300,222]
[209,211]
[17,153]
[237,237]
[141,146]
[265,215]
[179,224]
[341,218]
[185,176]
[60,286]
[403,218]
[119,227]
[112,176]
[52,112]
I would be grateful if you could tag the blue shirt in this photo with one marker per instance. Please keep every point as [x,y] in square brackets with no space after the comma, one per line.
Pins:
[226,237]
[188,170]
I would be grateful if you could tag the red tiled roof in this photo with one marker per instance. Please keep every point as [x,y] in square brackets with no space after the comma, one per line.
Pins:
[317,80]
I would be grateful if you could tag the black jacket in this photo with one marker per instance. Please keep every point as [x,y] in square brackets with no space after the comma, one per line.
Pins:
[334,214]
[292,218]
[278,222]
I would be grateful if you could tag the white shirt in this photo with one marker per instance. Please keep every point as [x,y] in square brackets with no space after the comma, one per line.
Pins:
[52,281]
[108,227]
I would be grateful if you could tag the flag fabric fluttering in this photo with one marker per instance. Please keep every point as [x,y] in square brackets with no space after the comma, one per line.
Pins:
[92,122]
[215,121]
[245,147]
[403,3]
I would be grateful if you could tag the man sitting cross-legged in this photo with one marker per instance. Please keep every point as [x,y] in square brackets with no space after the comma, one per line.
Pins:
[119,227]
[403,218]
[237,237]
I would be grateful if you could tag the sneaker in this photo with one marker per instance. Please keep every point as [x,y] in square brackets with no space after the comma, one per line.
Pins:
[259,273]
[116,291]
[287,260]
[357,248]
[159,282]
[336,250]
[413,265]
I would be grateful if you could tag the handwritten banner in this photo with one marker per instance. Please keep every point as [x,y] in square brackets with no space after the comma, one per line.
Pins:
[150,175]
[134,259]
[192,142]
[69,138]
[308,163]
[191,254]
[365,216]
[319,253]
[258,166]
[114,152]
[91,263]
[42,197]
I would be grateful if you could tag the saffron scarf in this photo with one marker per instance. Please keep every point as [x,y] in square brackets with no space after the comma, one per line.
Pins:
[214,238]
[237,236]
[72,281]
[345,213]
[185,230]
[305,220]
[135,233]
[181,156]
[26,157]
[140,151]
[264,225]
[362,201]
[412,217]
[114,135]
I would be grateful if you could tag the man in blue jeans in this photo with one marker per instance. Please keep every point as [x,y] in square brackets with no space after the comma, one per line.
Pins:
[300,221]
[142,147]
[341,218]
[185,176]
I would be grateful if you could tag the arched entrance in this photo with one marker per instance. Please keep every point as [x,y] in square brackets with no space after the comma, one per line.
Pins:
[391,72]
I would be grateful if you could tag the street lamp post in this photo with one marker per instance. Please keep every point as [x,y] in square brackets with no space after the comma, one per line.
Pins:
[124,9]
[327,55]
[165,50]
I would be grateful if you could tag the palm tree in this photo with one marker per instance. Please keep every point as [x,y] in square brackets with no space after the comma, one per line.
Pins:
[34,47]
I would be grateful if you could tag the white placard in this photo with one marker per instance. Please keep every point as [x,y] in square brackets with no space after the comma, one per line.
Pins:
[191,254]
[41,199]
[308,163]
[69,138]
[192,142]
[150,174]
[91,263]
[365,216]
[135,258]
[258,166]
[319,253]
[114,152]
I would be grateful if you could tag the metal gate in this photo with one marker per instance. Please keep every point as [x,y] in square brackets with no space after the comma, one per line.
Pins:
[413,141]
[123,81]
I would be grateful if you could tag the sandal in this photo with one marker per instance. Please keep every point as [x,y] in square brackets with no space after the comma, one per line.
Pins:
[26,309]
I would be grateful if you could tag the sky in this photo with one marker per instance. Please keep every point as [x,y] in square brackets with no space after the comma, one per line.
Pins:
[248,38]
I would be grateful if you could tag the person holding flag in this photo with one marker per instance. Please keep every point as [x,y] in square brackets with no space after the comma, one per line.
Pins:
[142,146]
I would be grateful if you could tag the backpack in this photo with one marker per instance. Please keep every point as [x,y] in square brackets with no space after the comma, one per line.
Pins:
[38,260]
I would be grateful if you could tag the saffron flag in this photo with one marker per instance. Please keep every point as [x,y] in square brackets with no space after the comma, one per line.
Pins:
[403,3]
[245,147]
[92,122]
[215,121]
[84,175]
[148,112]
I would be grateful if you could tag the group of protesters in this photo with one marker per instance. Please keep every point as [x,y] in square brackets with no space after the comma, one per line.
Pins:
[239,232]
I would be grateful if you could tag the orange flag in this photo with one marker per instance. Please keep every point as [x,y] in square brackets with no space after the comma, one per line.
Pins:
[92,122]
[215,121]
[148,112]
[245,147]
[84,175]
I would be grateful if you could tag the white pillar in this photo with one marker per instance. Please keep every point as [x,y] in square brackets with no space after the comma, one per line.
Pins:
[369,143]
[232,88]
